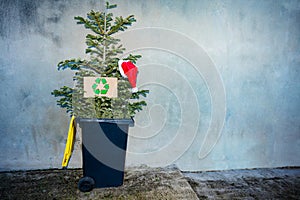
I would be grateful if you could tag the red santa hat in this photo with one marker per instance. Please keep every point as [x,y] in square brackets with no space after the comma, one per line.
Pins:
[129,70]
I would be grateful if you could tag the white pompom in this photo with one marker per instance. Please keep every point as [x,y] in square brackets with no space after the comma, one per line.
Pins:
[134,90]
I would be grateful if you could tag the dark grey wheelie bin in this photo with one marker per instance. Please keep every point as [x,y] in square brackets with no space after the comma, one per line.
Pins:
[104,144]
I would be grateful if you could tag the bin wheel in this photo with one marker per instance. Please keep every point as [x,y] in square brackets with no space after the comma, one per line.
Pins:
[86,184]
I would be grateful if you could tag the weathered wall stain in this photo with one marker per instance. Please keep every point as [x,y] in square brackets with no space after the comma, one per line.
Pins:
[23,17]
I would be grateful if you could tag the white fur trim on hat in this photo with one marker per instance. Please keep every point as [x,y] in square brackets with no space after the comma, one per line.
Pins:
[121,69]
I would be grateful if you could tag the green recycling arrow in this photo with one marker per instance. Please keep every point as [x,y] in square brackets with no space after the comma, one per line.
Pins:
[99,81]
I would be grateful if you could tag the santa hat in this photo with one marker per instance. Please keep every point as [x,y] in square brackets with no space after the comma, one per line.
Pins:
[129,70]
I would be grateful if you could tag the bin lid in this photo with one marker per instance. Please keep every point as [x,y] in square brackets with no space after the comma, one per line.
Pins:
[114,121]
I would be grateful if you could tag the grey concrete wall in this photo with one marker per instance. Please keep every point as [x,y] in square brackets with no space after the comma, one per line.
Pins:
[223,75]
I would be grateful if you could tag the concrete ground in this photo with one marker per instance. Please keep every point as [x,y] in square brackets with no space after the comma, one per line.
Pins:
[247,184]
[156,183]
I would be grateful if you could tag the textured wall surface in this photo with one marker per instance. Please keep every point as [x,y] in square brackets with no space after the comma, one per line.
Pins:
[223,75]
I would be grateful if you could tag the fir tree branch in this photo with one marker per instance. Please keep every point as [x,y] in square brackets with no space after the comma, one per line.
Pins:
[102,32]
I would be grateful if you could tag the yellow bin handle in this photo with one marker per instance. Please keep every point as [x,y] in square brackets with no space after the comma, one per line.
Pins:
[70,143]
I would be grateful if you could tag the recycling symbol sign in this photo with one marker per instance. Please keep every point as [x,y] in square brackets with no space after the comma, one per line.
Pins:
[97,83]
[100,86]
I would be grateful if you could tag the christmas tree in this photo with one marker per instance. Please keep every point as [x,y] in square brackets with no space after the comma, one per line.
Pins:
[104,51]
